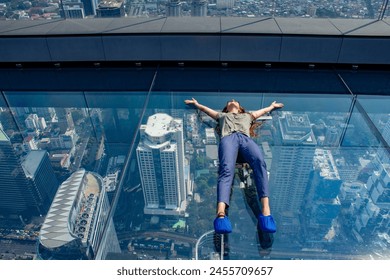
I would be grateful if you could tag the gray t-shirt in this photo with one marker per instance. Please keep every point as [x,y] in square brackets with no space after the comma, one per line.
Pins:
[231,122]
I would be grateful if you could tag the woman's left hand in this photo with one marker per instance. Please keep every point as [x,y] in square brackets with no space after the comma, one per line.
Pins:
[277,105]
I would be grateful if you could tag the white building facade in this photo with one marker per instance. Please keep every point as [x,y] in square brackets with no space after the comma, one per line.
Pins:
[161,162]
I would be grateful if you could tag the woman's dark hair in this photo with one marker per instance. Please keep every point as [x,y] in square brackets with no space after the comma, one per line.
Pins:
[241,109]
[254,124]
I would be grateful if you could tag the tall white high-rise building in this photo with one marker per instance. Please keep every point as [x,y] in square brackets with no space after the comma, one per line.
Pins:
[292,161]
[32,122]
[210,136]
[161,163]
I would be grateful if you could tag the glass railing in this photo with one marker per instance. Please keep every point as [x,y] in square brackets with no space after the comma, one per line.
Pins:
[65,9]
[143,167]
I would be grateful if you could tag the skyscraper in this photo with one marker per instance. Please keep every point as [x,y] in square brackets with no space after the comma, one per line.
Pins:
[292,161]
[90,7]
[332,137]
[386,131]
[160,155]
[173,8]
[73,9]
[39,171]
[31,121]
[16,194]
[110,9]
[322,204]
[199,8]
[225,4]
[63,119]
[74,227]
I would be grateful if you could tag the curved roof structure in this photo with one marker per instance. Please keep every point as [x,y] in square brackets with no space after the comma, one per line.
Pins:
[55,231]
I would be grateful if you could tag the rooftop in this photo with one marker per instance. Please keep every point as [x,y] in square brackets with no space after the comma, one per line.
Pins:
[55,231]
[159,125]
[61,225]
[3,136]
[30,165]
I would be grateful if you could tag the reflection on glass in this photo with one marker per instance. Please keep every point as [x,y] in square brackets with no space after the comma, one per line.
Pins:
[66,164]
[157,167]
[377,109]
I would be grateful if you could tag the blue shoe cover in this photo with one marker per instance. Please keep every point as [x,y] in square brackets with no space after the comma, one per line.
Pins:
[267,223]
[222,225]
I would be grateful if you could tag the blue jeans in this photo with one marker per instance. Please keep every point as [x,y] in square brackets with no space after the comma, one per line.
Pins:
[230,147]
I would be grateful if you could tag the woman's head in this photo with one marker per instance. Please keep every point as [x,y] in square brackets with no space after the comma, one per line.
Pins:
[233,105]
[230,105]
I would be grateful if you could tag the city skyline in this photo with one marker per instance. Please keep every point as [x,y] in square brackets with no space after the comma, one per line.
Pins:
[196,8]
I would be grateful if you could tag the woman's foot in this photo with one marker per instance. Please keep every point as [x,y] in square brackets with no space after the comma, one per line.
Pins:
[265,209]
[222,223]
[221,208]
[266,222]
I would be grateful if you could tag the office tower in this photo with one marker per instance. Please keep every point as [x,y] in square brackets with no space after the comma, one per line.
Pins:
[210,136]
[373,210]
[39,171]
[74,227]
[173,8]
[29,144]
[292,161]
[17,197]
[69,118]
[90,7]
[322,205]
[31,122]
[63,119]
[69,139]
[73,10]
[110,9]
[332,137]
[378,185]
[199,8]
[386,132]
[225,4]
[113,124]
[8,122]
[311,10]
[193,129]
[42,124]
[384,153]
[349,172]
[160,155]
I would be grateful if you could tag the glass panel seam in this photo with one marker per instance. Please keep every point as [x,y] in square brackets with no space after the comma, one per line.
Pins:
[124,172]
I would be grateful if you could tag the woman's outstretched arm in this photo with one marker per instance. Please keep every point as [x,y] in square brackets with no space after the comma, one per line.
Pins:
[212,113]
[259,113]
